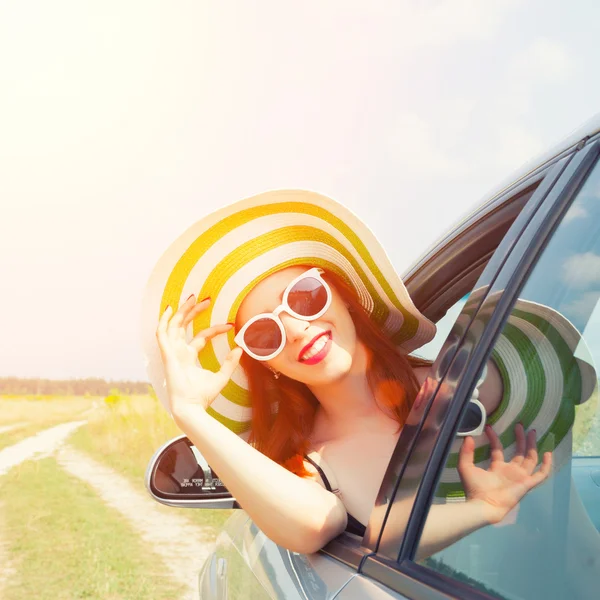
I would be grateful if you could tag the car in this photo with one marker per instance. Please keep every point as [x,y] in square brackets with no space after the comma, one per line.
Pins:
[536,240]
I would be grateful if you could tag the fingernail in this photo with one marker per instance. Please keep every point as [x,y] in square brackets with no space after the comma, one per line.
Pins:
[190,297]
[167,307]
[205,299]
[232,324]
[533,430]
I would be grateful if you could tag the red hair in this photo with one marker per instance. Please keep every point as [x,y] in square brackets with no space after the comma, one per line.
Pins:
[283,409]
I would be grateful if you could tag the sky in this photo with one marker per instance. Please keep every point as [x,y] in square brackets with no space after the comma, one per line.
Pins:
[124,122]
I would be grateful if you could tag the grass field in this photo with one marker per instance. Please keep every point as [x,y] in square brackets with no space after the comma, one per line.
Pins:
[58,539]
[124,434]
[32,414]
[63,543]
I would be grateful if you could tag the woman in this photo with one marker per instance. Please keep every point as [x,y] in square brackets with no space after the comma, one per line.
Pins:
[322,326]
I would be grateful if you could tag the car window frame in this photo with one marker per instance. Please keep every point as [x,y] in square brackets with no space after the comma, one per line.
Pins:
[515,207]
[399,571]
[546,183]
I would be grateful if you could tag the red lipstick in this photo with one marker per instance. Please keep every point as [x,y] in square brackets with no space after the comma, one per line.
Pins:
[321,354]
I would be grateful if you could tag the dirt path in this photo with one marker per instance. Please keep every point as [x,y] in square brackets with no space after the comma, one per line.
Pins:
[43,443]
[182,545]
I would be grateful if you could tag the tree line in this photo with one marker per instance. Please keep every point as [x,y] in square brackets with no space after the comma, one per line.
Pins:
[93,386]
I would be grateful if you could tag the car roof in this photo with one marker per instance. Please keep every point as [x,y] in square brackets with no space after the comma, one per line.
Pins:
[492,199]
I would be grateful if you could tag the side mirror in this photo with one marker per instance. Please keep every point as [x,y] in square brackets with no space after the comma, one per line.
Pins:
[178,475]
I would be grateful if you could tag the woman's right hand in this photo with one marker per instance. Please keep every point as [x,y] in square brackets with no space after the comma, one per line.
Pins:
[189,386]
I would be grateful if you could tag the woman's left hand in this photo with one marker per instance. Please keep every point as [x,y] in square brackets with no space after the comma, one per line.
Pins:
[501,487]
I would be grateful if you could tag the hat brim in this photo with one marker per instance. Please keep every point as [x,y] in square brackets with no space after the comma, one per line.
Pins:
[225,254]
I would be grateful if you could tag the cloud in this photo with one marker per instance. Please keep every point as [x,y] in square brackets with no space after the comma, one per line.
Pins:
[581,308]
[417,149]
[541,63]
[544,61]
[577,211]
[581,270]
[547,59]
[413,23]
[449,21]
[516,145]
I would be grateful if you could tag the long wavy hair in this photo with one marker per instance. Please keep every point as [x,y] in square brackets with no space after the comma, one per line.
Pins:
[283,410]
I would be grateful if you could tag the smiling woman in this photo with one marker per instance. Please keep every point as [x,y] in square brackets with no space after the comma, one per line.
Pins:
[326,325]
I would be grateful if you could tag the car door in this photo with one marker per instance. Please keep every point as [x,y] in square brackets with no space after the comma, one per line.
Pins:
[551,547]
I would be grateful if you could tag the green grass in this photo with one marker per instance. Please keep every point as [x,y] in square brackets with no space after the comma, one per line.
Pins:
[63,543]
[125,434]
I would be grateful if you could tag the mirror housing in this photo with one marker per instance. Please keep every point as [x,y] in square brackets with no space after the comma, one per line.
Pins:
[178,475]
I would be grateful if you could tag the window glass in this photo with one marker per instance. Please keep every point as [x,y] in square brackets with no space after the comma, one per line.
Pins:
[541,374]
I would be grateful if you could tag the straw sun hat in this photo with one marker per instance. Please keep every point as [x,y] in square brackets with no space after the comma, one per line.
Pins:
[225,254]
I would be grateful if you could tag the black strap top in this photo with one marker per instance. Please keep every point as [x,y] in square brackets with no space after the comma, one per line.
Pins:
[354,525]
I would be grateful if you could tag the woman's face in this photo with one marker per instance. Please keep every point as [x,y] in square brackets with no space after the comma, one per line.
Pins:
[299,359]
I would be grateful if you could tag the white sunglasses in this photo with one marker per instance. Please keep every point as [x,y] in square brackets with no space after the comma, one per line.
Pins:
[307,297]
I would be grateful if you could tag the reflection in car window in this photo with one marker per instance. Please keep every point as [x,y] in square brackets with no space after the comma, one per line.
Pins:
[549,546]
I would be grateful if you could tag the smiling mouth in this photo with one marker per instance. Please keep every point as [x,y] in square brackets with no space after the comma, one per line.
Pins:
[316,346]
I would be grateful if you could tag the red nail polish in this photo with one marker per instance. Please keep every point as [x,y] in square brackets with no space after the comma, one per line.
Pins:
[167,307]
[232,324]
[205,299]
[190,297]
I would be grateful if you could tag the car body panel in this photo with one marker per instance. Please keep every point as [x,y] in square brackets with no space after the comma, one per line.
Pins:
[360,588]
[247,562]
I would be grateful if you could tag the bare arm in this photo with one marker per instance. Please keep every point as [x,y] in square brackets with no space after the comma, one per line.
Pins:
[491,494]
[448,523]
[294,512]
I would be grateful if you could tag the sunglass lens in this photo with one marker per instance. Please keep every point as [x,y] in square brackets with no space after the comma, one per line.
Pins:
[308,297]
[471,419]
[263,337]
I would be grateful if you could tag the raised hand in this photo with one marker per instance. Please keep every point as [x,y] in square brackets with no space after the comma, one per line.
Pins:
[502,486]
[189,386]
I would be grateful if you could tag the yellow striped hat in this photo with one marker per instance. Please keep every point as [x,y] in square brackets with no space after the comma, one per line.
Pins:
[225,254]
